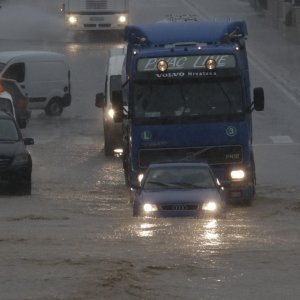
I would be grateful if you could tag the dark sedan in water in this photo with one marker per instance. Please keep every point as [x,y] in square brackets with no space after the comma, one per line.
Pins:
[179,189]
[15,160]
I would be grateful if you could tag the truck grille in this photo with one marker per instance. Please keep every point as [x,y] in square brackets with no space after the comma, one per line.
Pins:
[212,154]
[96,4]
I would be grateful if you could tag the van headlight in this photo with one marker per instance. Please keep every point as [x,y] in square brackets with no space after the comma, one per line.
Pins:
[111,113]
[122,19]
[237,175]
[210,206]
[148,207]
[72,20]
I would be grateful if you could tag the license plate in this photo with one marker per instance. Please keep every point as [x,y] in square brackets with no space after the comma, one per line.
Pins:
[96,19]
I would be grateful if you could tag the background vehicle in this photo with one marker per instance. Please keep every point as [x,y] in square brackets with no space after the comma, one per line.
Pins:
[179,189]
[188,94]
[20,101]
[43,76]
[96,15]
[15,160]
[113,82]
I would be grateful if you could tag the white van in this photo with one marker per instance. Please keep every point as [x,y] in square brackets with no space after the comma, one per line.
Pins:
[113,83]
[43,76]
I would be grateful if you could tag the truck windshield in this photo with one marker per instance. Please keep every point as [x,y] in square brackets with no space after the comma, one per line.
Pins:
[189,99]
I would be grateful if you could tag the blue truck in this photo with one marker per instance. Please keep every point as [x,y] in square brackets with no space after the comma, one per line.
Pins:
[187,88]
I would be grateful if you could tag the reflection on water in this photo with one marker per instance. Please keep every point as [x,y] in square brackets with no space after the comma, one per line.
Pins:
[73,48]
[146,230]
[211,235]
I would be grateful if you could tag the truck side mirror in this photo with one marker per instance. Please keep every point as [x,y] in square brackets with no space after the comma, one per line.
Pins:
[100,100]
[117,105]
[258,99]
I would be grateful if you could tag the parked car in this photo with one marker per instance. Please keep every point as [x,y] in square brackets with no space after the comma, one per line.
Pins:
[15,160]
[43,76]
[179,189]
[113,83]
[19,99]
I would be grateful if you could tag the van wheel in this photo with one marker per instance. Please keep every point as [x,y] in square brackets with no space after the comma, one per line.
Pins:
[54,107]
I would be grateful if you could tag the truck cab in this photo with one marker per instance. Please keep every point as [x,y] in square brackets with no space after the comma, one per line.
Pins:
[188,93]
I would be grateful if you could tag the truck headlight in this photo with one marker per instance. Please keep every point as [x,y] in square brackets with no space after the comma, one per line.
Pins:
[72,20]
[122,19]
[237,175]
[148,207]
[210,206]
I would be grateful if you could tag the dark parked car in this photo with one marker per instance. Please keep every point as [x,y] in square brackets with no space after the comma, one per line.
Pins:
[19,99]
[15,160]
[179,189]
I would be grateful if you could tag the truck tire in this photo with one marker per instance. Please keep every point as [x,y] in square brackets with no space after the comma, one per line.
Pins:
[54,107]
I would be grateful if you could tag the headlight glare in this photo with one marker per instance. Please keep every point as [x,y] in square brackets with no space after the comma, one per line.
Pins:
[72,20]
[210,206]
[237,174]
[122,19]
[111,113]
[148,207]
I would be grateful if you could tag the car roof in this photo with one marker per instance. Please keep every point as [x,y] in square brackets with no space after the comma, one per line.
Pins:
[6,95]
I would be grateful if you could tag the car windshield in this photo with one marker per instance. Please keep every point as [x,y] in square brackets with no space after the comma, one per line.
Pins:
[2,66]
[8,130]
[6,105]
[179,177]
[190,98]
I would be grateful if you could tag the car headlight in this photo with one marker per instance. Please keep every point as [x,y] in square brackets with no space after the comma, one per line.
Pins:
[20,160]
[210,206]
[237,175]
[148,207]
[72,20]
[122,19]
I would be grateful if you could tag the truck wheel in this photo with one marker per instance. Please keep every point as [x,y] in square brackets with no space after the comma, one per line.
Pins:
[54,107]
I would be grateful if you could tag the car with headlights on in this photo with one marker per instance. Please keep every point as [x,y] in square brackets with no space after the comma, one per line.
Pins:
[15,160]
[179,189]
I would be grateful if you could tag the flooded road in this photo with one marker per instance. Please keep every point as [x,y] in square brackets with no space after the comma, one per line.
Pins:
[75,238]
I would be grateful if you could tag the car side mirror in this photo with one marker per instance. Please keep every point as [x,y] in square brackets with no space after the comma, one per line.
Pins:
[117,105]
[258,99]
[28,141]
[100,99]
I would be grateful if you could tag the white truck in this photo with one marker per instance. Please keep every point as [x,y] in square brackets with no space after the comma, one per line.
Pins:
[102,15]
